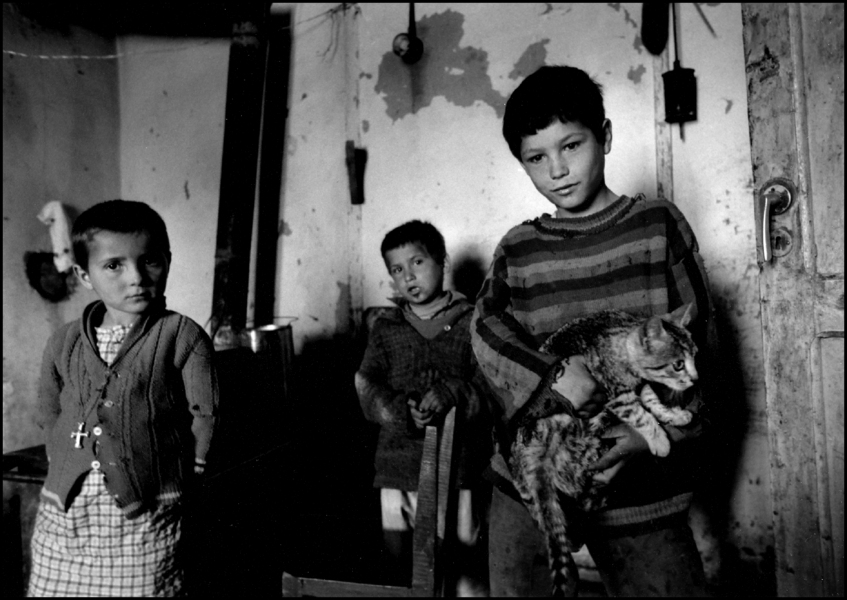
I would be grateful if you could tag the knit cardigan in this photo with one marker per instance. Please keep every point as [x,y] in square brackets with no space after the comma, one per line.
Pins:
[396,361]
[152,411]
[635,255]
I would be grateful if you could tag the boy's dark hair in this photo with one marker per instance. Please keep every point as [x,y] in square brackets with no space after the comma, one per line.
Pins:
[118,216]
[553,92]
[416,232]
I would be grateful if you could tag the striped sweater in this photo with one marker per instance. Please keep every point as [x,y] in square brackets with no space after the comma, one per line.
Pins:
[635,255]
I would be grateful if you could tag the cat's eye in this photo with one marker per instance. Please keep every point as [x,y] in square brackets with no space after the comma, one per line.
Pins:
[679,365]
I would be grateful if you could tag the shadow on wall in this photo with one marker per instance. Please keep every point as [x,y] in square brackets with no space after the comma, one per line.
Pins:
[734,574]
[468,274]
[44,278]
[41,272]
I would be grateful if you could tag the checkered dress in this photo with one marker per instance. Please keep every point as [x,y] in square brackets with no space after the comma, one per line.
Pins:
[93,549]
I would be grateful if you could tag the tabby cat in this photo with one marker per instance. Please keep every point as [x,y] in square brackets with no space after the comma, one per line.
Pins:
[550,455]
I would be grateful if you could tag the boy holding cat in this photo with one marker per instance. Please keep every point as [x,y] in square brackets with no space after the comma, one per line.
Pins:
[600,250]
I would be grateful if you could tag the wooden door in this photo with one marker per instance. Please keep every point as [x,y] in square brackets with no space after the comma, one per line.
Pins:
[794,55]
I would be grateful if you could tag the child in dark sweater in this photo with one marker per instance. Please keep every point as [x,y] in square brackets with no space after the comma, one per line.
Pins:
[127,398]
[417,365]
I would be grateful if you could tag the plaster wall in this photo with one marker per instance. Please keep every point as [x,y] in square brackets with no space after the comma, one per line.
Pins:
[173,101]
[60,142]
[435,152]
[313,260]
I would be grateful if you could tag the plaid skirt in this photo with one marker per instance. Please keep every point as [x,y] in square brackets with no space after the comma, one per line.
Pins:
[94,550]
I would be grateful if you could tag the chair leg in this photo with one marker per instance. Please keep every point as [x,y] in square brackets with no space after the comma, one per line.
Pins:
[290,586]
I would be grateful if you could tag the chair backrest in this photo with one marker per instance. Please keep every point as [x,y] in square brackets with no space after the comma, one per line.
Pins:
[434,485]
[430,547]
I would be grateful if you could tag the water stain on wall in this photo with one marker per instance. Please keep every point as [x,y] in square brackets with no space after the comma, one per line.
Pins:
[616,6]
[533,57]
[635,73]
[457,73]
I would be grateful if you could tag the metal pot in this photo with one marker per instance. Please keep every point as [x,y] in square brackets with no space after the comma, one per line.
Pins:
[274,345]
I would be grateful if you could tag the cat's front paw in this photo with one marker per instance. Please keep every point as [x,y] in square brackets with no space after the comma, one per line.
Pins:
[659,445]
[680,417]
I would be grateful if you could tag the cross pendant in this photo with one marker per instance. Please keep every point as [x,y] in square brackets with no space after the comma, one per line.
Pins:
[79,434]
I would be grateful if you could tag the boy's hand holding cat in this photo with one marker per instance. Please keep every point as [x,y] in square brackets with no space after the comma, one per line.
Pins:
[628,443]
[577,385]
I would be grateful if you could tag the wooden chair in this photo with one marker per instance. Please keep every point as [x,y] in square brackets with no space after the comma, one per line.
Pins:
[430,551]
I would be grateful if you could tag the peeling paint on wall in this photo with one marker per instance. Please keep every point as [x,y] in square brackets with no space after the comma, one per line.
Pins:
[407,89]
[627,17]
[635,73]
[533,57]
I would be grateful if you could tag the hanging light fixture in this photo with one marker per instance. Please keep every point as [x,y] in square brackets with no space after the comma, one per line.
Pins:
[408,46]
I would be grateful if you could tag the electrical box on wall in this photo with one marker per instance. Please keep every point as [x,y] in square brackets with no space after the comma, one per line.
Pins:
[680,94]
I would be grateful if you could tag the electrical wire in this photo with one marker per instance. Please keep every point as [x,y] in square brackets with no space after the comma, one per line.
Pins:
[329,12]
[675,49]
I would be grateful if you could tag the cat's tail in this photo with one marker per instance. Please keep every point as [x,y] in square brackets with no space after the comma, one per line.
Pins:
[541,499]
[547,512]
[562,565]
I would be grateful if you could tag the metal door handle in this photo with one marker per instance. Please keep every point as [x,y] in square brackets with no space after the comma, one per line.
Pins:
[774,199]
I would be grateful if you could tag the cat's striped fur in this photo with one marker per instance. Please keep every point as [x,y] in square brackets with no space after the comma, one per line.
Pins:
[550,456]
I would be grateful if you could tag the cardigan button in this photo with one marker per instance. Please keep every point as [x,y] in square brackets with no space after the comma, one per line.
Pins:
[95,464]
[447,328]
[108,404]
[97,430]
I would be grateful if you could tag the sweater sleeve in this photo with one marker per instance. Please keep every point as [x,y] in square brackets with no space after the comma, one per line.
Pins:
[381,403]
[201,391]
[519,375]
[50,385]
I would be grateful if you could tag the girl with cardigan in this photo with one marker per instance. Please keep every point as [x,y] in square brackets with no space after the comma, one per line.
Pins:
[127,399]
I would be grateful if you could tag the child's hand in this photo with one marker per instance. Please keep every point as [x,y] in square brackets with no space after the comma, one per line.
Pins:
[628,443]
[430,407]
[578,386]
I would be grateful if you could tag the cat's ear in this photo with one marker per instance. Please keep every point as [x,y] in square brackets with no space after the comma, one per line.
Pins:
[652,329]
[683,315]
